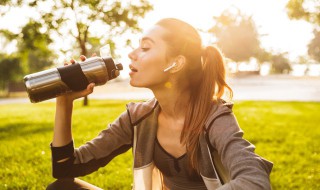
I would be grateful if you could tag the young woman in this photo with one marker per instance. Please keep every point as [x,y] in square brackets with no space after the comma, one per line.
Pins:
[184,138]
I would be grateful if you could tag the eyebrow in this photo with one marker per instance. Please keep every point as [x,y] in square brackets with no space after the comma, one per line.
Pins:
[147,38]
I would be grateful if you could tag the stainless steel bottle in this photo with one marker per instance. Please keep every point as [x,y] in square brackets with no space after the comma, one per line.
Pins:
[54,82]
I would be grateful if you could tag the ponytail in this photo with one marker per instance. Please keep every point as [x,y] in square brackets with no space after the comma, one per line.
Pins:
[212,87]
[214,73]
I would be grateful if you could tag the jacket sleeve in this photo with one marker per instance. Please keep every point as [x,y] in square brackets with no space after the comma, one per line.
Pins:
[98,152]
[246,169]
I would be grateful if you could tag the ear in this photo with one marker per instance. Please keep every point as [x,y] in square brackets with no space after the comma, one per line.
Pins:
[180,62]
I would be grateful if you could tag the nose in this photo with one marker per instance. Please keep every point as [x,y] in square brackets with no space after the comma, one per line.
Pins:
[132,55]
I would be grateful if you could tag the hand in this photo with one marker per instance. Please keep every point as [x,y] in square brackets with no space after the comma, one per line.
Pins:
[70,97]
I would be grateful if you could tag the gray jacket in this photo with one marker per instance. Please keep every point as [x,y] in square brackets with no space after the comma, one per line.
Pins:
[227,161]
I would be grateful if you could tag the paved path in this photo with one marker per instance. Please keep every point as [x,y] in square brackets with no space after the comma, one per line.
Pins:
[275,88]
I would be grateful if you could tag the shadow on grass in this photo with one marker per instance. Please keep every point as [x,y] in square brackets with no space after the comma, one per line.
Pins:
[108,104]
[23,129]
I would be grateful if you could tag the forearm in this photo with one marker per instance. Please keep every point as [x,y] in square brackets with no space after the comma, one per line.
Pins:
[62,134]
[70,162]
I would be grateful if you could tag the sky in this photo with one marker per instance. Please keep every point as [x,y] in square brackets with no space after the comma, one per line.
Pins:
[280,34]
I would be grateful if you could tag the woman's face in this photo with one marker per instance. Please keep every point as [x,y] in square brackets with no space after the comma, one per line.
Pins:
[149,60]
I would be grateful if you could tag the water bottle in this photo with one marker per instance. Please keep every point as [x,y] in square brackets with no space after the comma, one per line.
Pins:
[55,82]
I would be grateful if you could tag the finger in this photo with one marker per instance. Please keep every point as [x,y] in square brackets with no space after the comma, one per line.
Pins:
[90,87]
[82,57]
[88,90]
[72,61]
[94,55]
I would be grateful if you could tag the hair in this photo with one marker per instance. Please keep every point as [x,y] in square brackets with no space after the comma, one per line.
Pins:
[207,84]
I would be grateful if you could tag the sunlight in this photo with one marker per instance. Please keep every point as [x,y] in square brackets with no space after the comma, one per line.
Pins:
[270,17]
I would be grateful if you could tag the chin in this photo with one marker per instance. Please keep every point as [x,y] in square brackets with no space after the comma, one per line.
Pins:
[134,84]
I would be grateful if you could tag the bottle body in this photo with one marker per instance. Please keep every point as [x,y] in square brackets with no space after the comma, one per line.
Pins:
[45,85]
[54,82]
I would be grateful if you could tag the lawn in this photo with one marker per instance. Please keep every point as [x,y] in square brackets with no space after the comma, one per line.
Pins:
[286,133]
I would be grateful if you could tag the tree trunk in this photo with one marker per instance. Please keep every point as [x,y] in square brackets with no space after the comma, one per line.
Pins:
[85,101]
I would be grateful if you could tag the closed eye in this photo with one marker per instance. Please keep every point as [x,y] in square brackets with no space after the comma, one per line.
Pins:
[145,49]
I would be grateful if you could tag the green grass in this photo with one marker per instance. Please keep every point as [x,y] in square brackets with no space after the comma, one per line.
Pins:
[286,133]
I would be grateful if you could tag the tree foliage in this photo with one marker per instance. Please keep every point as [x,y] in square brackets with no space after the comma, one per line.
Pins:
[10,70]
[308,10]
[78,20]
[33,53]
[280,64]
[62,19]
[237,36]
[314,46]
[33,47]
[263,56]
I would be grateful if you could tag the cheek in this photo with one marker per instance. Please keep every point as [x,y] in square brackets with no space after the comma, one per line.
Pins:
[150,73]
[152,62]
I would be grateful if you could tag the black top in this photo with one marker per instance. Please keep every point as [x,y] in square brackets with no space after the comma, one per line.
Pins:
[176,175]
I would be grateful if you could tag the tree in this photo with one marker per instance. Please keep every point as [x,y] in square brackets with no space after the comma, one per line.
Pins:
[314,46]
[280,64]
[236,36]
[78,19]
[308,10]
[263,56]
[33,53]
[10,70]
[33,47]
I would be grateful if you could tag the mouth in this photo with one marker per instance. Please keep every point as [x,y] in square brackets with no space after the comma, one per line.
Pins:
[132,68]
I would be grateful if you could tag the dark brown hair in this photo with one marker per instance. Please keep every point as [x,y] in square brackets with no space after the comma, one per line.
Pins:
[205,77]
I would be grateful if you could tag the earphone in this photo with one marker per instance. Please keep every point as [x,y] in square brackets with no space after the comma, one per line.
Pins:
[170,67]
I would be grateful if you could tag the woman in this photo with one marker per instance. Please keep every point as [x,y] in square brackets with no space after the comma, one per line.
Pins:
[184,138]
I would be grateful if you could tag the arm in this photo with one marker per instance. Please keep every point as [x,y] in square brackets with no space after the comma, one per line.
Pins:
[247,170]
[62,143]
[70,162]
[64,104]
[114,140]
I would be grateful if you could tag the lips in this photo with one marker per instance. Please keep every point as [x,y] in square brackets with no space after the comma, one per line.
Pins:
[133,69]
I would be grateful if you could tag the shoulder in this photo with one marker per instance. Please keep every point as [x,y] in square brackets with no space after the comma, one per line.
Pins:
[139,110]
[221,110]
[222,124]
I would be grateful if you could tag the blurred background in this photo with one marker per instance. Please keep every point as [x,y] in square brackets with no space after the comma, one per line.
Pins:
[272,50]
[272,47]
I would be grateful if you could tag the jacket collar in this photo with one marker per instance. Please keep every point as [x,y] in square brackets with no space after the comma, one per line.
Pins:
[138,112]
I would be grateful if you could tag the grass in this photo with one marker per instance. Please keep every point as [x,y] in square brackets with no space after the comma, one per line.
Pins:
[286,133]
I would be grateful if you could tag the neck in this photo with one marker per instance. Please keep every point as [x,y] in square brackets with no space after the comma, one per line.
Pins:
[173,101]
